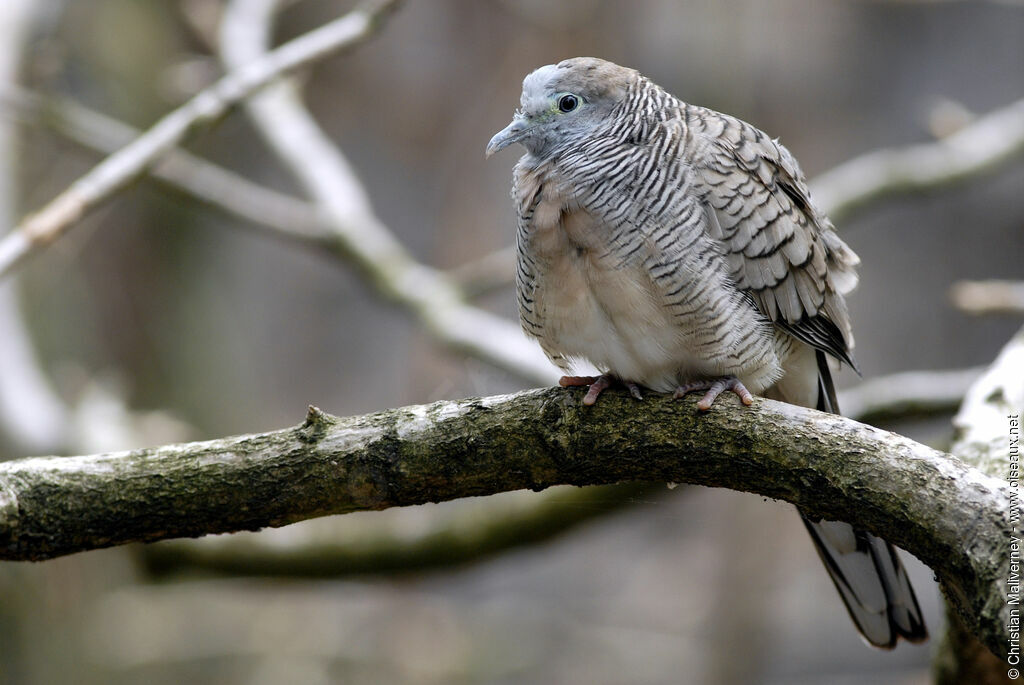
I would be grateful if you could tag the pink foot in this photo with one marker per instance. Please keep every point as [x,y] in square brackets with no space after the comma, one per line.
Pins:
[597,384]
[714,389]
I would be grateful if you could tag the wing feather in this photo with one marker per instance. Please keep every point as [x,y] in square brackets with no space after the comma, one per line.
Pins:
[780,249]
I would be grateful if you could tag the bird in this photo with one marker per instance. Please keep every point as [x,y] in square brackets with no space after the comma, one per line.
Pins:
[677,249]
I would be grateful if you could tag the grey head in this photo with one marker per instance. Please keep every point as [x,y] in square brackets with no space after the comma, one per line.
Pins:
[563,103]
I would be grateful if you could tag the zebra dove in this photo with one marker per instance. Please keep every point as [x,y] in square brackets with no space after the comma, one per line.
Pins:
[677,249]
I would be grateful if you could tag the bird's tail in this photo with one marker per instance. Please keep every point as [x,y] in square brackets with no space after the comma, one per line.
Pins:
[865,569]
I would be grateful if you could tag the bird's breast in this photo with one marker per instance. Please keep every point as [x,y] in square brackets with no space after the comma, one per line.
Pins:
[593,305]
[613,292]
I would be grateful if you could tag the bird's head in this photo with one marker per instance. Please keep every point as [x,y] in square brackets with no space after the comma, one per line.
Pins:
[562,103]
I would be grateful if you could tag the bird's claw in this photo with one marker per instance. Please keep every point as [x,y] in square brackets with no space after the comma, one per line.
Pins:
[596,385]
[715,388]
[634,389]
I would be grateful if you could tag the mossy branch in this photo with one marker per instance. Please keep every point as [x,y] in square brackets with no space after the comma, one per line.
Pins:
[949,515]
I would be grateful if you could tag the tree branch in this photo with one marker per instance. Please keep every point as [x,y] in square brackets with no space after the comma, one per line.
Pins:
[132,161]
[988,297]
[32,415]
[900,395]
[988,437]
[278,214]
[975,149]
[952,517]
[466,534]
[358,234]
[407,541]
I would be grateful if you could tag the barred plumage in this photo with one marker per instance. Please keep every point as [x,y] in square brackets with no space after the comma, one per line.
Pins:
[676,247]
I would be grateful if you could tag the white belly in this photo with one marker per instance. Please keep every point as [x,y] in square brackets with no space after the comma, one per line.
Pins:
[613,319]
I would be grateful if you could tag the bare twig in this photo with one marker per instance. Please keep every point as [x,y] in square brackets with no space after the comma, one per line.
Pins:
[32,415]
[282,215]
[401,540]
[990,140]
[952,517]
[130,162]
[277,213]
[911,392]
[494,271]
[983,438]
[988,297]
[357,232]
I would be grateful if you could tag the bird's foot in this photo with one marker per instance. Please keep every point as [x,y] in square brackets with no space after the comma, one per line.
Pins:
[597,384]
[715,388]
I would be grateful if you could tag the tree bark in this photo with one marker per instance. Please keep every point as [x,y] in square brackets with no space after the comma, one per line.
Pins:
[949,515]
[988,438]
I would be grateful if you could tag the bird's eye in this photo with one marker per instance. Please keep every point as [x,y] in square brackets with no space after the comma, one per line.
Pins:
[568,103]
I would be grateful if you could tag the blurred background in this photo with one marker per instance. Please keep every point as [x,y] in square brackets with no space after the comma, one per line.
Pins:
[160,319]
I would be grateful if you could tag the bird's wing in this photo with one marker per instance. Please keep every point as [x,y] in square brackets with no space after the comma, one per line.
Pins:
[786,255]
[780,249]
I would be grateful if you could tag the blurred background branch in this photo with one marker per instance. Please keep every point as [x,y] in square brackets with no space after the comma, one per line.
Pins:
[127,164]
[30,412]
[906,395]
[404,542]
[988,297]
[978,148]
[327,177]
[265,208]
[33,415]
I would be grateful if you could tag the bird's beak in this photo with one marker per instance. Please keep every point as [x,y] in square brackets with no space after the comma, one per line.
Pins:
[508,135]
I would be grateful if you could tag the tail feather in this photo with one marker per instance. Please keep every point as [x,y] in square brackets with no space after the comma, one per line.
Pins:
[865,569]
[871,581]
